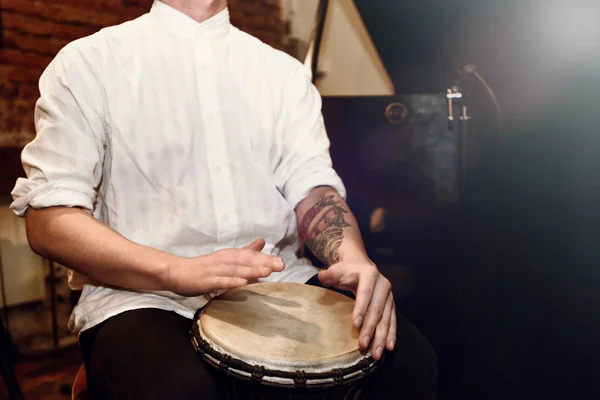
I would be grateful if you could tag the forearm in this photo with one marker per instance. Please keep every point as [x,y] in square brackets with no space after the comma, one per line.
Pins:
[77,240]
[328,227]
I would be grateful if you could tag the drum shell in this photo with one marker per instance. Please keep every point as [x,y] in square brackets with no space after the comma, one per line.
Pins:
[235,389]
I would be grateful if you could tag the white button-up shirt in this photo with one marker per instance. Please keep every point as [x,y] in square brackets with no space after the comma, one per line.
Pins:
[186,137]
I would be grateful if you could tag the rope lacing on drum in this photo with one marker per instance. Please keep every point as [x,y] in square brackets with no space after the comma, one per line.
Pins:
[365,366]
[258,373]
[202,345]
[224,362]
[338,376]
[300,379]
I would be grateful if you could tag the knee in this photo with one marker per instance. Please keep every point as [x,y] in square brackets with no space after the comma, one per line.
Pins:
[428,357]
[193,384]
[414,356]
[418,353]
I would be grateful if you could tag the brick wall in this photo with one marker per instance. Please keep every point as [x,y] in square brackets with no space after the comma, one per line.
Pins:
[34,31]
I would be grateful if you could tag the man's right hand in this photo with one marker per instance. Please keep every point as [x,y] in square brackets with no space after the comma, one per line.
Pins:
[223,269]
[74,238]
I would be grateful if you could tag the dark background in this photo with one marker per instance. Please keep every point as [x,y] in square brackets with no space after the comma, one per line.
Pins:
[526,324]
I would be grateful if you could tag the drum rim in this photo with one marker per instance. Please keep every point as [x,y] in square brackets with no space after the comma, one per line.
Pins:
[265,375]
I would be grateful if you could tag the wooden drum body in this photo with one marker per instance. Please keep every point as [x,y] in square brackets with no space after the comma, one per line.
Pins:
[289,337]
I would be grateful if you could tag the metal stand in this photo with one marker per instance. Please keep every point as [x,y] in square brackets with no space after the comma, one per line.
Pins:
[8,353]
[6,366]
[455,94]
[316,39]
[458,94]
[53,307]
[463,149]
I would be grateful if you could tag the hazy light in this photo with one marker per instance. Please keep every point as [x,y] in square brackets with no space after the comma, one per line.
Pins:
[568,30]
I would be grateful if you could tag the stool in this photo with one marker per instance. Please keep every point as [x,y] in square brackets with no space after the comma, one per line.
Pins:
[80,389]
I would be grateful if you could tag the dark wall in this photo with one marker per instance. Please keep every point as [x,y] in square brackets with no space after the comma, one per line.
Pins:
[532,227]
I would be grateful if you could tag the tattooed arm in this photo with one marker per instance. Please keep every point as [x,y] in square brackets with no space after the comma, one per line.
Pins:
[329,229]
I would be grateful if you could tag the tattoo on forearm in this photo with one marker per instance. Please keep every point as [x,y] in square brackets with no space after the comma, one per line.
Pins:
[322,228]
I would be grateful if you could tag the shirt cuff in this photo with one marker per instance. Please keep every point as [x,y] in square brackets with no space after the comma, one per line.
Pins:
[300,188]
[28,193]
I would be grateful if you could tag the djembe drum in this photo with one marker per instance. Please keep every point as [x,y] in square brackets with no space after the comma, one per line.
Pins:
[283,340]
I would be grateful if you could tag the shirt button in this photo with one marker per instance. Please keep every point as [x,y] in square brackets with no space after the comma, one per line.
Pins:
[204,67]
[218,169]
[225,217]
[210,118]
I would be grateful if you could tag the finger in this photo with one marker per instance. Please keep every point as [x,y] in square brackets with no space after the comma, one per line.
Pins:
[241,271]
[329,277]
[257,245]
[374,313]
[227,282]
[382,330]
[364,292]
[251,258]
[391,337]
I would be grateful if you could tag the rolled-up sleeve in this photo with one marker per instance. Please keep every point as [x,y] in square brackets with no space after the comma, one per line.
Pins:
[63,164]
[303,159]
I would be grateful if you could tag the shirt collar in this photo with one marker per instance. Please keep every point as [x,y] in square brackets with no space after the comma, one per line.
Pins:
[213,28]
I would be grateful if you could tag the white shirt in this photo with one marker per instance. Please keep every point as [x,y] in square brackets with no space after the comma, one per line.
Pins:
[185,137]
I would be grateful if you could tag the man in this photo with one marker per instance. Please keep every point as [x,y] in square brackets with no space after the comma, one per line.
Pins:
[177,157]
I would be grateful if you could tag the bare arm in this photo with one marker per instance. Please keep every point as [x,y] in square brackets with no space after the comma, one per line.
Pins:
[328,227]
[330,230]
[77,240]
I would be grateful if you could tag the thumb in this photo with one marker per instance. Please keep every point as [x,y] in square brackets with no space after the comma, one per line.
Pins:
[328,277]
[257,245]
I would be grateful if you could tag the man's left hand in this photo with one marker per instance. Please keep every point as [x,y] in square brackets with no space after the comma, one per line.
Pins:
[374,312]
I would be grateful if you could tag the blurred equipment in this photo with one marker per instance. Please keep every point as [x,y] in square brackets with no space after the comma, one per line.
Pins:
[342,57]
[398,147]
[23,277]
[407,156]
[34,293]
[399,158]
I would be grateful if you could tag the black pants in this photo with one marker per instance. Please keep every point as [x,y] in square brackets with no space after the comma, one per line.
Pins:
[147,354]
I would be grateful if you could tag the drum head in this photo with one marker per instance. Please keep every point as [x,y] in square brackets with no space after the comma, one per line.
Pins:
[274,328]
